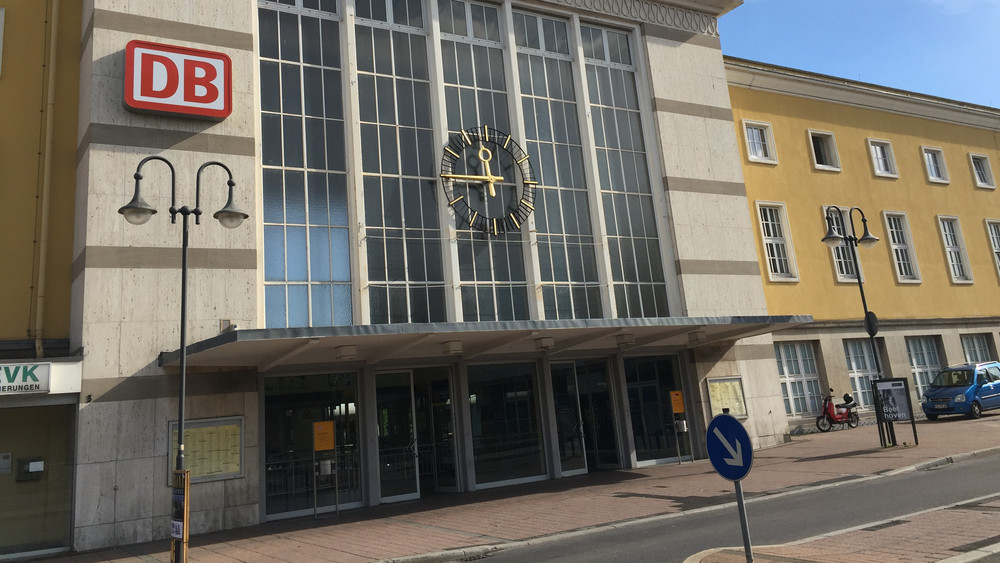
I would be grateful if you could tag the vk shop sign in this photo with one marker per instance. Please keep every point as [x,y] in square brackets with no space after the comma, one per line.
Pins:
[20,379]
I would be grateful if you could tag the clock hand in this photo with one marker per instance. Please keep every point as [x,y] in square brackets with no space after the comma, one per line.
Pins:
[471,177]
[486,166]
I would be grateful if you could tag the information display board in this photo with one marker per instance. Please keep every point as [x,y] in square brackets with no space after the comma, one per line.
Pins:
[213,448]
[727,393]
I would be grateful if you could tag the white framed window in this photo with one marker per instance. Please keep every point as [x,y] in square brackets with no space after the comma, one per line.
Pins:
[924,363]
[799,379]
[778,249]
[954,248]
[843,263]
[982,172]
[824,150]
[934,165]
[883,160]
[760,142]
[897,229]
[976,348]
[993,232]
[861,369]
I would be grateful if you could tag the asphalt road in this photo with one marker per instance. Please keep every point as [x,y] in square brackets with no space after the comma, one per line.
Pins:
[773,519]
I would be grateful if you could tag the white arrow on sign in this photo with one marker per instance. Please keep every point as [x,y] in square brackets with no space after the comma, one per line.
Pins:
[737,454]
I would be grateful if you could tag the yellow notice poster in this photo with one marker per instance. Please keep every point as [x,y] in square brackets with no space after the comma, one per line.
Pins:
[677,401]
[323,436]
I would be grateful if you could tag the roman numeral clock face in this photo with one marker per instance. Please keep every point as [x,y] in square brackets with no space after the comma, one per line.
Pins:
[488,181]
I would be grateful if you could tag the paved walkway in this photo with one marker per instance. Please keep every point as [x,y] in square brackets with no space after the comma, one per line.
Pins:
[462,526]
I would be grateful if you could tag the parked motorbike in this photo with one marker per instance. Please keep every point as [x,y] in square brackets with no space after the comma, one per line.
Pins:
[843,413]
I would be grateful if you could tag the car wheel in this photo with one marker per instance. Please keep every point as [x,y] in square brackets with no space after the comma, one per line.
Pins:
[852,421]
[932,416]
[823,423]
[975,411]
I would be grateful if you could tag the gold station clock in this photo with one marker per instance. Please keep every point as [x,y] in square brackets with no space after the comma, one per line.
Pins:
[478,170]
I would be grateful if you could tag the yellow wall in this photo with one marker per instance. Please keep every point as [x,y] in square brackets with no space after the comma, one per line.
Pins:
[805,191]
[23,92]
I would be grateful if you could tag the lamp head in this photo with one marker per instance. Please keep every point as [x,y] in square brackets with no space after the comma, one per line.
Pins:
[229,216]
[867,239]
[833,239]
[137,211]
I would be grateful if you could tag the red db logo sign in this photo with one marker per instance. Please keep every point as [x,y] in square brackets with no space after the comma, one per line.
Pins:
[178,81]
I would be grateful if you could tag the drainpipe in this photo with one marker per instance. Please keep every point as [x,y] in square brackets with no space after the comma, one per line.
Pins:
[43,241]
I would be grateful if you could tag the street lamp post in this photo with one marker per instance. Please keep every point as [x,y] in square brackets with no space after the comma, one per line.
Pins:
[138,212]
[834,239]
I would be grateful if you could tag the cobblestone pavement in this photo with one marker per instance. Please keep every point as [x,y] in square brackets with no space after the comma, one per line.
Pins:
[457,526]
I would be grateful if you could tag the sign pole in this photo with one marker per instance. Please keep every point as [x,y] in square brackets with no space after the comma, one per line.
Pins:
[312,468]
[731,454]
[324,439]
[179,517]
[744,524]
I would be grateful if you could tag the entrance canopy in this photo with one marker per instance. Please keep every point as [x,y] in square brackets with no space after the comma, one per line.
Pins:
[292,349]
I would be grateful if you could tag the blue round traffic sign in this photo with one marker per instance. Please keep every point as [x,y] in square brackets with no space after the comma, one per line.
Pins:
[729,447]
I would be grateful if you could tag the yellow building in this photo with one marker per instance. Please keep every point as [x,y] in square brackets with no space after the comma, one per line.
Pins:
[920,169]
[39,380]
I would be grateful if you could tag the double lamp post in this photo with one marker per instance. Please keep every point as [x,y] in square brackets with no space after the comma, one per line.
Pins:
[138,212]
[833,239]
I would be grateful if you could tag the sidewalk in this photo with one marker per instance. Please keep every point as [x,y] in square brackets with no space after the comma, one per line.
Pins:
[466,525]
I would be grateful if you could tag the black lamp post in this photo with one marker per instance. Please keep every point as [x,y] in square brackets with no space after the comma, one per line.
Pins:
[138,212]
[833,239]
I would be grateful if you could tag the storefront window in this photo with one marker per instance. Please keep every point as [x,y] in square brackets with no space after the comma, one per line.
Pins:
[506,435]
[291,406]
[36,478]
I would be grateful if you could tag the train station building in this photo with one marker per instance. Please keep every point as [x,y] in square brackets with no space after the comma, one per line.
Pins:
[487,243]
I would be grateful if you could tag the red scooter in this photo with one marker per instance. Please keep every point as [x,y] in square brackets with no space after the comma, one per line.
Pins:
[844,413]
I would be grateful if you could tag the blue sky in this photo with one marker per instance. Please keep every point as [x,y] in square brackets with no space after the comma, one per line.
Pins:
[946,48]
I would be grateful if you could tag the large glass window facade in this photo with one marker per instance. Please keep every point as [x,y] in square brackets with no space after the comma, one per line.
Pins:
[402,235]
[355,223]
[491,268]
[307,274]
[506,434]
[629,216]
[566,255]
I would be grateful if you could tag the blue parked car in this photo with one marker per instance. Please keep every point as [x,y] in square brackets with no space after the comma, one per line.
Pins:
[967,389]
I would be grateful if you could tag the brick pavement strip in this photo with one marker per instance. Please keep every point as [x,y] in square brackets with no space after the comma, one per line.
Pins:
[910,538]
[472,523]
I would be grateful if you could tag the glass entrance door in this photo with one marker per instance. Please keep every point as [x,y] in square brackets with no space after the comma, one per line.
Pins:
[654,432]
[584,415]
[569,419]
[435,430]
[397,440]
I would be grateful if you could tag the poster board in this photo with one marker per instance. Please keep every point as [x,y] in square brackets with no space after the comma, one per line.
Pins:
[894,398]
[213,448]
[727,393]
